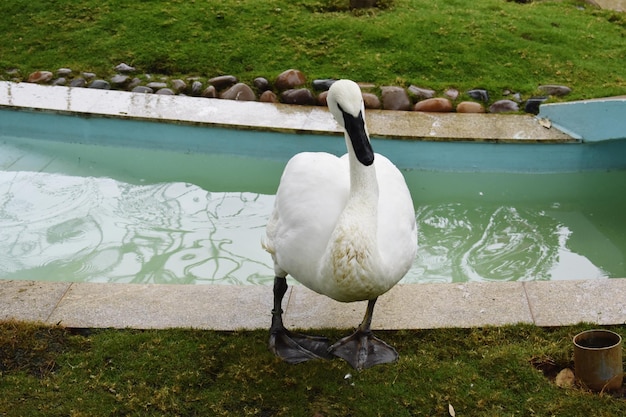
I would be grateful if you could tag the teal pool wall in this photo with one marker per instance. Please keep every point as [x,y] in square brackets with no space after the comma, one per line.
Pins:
[453,156]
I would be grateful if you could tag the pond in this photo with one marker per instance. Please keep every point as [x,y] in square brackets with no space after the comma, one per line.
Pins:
[109,210]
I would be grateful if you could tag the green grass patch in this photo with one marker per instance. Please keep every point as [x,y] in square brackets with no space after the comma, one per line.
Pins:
[50,371]
[494,44]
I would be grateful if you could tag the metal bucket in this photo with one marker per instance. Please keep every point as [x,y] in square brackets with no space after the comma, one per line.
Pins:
[598,359]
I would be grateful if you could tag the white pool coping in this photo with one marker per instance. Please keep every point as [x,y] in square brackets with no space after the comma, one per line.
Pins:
[274,117]
[230,307]
[235,307]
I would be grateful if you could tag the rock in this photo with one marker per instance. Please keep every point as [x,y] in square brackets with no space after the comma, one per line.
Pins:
[142,89]
[504,106]
[261,84]
[78,82]
[196,88]
[565,378]
[533,103]
[165,92]
[89,75]
[302,96]
[239,92]
[371,101]
[100,85]
[155,85]
[133,83]
[421,93]
[210,92]
[322,99]
[179,85]
[555,90]
[124,68]
[60,81]
[13,72]
[479,94]
[322,84]
[517,97]
[438,104]
[289,79]
[395,98]
[470,107]
[40,77]
[268,96]
[119,80]
[452,93]
[64,72]
[223,81]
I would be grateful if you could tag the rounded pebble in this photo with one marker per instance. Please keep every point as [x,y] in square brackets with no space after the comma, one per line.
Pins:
[142,89]
[479,94]
[395,98]
[301,96]
[470,107]
[261,84]
[420,92]
[289,79]
[371,101]
[100,85]
[40,77]
[268,96]
[438,104]
[223,81]
[504,106]
[323,84]
[210,92]
[239,92]
[165,92]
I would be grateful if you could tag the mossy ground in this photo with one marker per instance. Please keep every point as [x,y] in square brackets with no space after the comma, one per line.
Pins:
[54,371]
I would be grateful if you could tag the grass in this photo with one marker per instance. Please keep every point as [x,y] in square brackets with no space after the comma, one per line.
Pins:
[54,371]
[493,44]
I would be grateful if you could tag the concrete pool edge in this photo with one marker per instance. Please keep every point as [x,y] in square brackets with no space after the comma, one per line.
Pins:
[273,117]
[230,307]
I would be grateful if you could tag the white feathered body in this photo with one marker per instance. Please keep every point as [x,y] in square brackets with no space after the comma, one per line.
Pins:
[349,247]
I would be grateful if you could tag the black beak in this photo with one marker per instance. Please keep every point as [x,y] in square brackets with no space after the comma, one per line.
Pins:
[355,126]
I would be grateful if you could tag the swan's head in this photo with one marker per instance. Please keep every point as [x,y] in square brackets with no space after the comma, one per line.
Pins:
[345,103]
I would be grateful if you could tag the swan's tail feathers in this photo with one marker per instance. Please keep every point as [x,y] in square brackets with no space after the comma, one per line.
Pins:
[267,245]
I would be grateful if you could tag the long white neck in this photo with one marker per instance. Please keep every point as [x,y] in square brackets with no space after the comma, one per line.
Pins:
[363,184]
[352,259]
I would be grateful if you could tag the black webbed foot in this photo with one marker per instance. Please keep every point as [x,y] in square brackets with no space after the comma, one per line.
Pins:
[296,348]
[363,350]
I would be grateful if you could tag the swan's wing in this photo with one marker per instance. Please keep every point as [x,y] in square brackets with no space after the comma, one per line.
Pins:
[312,193]
[397,231]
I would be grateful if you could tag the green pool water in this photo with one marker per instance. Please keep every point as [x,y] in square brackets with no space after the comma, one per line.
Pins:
[72,212]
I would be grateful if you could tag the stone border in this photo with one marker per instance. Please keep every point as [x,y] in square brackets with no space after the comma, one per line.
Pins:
[232,307]
[290,87]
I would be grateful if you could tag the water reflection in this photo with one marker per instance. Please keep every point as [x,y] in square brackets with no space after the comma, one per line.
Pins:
[57,227]
[482,243]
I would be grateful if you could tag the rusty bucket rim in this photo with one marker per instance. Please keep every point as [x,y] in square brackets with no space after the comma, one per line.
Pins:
[608,332]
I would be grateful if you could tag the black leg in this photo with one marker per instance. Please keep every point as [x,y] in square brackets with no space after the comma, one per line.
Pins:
[292,347]
[362,349]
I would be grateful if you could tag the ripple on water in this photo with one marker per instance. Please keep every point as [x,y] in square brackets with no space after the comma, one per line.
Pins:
[57,227]
[96,229]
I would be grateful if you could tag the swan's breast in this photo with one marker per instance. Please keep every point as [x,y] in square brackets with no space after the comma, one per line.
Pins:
[351,269]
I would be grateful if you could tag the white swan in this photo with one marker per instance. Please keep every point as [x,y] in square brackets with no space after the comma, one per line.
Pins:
[343,227]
